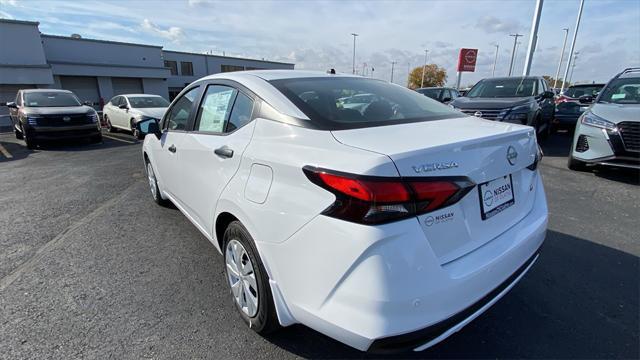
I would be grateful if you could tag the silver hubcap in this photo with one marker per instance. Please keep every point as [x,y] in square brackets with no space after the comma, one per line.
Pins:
[242,278]
[152,180]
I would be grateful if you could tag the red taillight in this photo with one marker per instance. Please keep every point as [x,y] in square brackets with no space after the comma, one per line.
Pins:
[562,99]
[375,200]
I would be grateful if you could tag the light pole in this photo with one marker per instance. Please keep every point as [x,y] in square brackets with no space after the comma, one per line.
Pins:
[353,71]
[495,61]
[393,64]
[573,66]
[573,43]
[408,73]
[424,67]
[364,66]
[533,38]
[515,57]
[513,52]
[564,45]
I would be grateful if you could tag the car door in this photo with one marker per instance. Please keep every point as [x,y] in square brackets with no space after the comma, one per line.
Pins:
[210,154]
[14,112]
[174,126]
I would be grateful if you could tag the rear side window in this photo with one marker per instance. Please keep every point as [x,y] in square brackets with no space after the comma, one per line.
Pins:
[241,113]
[335,103]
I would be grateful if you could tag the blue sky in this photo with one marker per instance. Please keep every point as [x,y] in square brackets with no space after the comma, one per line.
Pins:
[316,35]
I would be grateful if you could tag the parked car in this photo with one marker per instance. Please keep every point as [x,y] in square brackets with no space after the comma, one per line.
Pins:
[124,111]
[48,114]
[463,92]
[572,103]
[608,133]
[441,94]
[517,100]
[384,229]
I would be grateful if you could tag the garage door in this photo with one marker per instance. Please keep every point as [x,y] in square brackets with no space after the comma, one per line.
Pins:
[8,93]
[126,86]
[85,87]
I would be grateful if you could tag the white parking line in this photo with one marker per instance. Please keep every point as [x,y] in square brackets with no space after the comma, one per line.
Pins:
[6,153]
[118,139]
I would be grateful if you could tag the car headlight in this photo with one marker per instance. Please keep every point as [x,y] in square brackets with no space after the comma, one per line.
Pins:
[93,117]
[593,120]
[518,113]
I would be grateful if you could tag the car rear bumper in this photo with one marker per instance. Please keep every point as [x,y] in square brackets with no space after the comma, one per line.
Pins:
[63,132]
[382,288]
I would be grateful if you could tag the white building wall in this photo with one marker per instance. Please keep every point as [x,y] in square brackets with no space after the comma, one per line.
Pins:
[156,87]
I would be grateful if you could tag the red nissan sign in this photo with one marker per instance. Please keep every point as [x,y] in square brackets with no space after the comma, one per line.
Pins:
[467,60]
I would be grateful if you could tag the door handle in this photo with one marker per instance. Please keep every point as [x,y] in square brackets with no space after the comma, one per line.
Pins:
[224,152]
[172,148]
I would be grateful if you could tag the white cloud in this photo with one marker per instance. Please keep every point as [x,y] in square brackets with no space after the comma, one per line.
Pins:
[174,34]
[492,24]
[9,2]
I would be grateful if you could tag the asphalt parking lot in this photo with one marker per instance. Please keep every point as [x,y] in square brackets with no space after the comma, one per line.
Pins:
[90,267]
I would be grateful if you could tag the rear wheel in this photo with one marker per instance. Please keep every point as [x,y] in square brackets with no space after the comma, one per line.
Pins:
[248,280]
[576,165]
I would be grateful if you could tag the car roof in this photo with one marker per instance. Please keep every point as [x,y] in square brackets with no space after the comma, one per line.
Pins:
[269,75]
[586,85]
[154,95]
[45,90]
[514,77]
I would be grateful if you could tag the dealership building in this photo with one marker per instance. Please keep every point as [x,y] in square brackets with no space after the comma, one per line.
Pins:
[97,70]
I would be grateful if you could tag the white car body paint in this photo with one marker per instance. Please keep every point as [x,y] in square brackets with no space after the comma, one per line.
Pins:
[359,283]
[121,118]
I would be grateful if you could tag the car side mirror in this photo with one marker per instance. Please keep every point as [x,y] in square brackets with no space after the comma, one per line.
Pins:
[585,99]
[12,105]
[149,126]
[548,95]
[123,106]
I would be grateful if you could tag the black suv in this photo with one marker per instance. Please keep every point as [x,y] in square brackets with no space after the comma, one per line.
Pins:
[46,114]
[520,100]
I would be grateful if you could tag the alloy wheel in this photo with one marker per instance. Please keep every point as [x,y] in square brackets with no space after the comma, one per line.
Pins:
[151,176]
[242,278]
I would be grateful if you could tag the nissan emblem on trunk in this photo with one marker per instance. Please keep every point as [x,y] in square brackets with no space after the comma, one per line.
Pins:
[512,155]
[66,118]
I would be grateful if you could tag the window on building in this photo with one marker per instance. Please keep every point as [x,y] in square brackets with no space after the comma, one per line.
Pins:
[172,65]
[186,68]
[230,68]
[253,68]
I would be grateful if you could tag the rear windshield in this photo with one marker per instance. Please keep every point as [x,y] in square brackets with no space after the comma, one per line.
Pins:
[621,91]
[147,102]
[50,99]
[495,88]
[346,103]
[577,91]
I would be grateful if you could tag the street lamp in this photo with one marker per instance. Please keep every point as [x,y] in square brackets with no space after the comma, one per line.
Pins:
[393,63]
[573,43]
[513,52]
[424,67]
[353,71]
[564,45]
[495,61]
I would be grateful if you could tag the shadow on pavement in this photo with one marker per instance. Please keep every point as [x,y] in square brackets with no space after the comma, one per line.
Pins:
[557,144]
[580,300]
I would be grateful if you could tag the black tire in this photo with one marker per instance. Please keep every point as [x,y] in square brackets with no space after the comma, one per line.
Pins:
[576,165]
[28,140]
[18,133]
[265,320]
[154,194]
[134,131]
[110,128]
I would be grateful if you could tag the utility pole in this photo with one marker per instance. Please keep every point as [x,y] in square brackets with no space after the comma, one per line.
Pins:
[533,38]
[393,64]
[353,71]
[564,45]
[495,61]
[424,67]
[513,52]
[573,43]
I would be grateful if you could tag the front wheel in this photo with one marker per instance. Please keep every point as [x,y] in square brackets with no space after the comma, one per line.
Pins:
[28,140]
[18,133]
[135,132]
[153,186]
[110,127]
[248,280]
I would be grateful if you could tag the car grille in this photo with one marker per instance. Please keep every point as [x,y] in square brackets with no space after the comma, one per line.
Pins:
[59,120]
[630,132]
[489,114]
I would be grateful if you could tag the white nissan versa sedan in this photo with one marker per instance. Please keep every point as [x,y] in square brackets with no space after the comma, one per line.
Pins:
[386,228]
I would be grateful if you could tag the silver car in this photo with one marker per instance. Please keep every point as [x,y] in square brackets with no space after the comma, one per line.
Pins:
[608,133]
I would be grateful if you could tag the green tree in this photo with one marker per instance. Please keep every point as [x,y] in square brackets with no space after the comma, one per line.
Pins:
[433,76]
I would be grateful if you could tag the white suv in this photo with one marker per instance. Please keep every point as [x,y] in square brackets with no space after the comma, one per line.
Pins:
[387,228]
